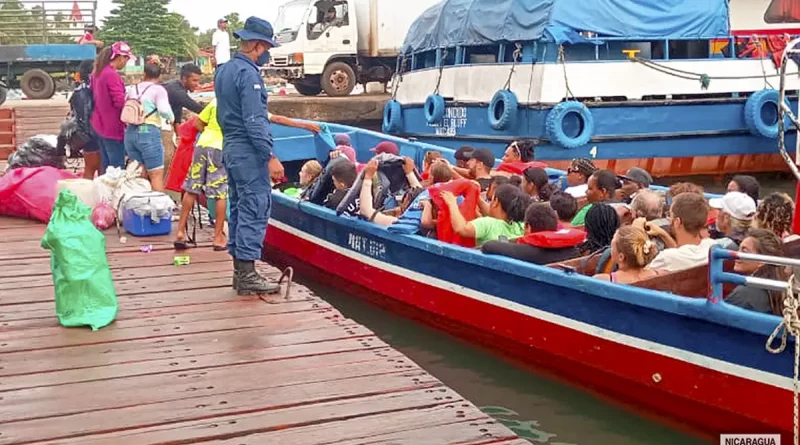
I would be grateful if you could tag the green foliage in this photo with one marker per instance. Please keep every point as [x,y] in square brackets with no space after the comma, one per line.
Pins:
[149,28]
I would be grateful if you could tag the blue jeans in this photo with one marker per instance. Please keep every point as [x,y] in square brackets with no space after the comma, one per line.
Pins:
[249,201]
[112,153]
[143,144]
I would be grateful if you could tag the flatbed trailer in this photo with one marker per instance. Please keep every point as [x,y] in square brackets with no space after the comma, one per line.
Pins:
[39,43]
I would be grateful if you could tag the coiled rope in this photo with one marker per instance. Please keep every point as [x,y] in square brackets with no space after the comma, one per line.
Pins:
[789,325]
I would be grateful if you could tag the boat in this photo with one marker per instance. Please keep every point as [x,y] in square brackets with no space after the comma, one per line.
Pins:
[671,89]
[694,359]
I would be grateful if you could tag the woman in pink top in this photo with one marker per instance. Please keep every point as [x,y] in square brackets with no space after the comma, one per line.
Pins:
[108,92]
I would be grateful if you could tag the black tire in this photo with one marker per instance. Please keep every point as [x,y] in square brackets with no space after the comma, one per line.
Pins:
[3,94]
[308,88]
[338,79]
[37,84]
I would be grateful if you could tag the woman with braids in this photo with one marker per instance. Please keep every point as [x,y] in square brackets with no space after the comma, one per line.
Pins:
[762,242]
[537,185]
[108,92]
[631,251]
[519,151]
[506,216]
[578,175]
[775,213]
[602,222]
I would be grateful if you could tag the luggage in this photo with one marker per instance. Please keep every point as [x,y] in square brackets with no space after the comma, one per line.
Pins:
[30,192]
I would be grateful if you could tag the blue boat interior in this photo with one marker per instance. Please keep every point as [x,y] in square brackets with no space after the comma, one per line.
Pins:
[294,146]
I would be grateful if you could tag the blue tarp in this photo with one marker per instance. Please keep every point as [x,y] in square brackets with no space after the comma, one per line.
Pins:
[480,22]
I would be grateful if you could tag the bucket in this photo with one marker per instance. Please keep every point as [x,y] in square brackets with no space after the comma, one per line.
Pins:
[82,188]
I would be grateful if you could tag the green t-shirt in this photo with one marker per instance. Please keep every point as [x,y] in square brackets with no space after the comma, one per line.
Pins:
[580,217]
[490,229]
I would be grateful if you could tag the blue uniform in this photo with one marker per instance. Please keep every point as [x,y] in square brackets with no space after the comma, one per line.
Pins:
[247,148]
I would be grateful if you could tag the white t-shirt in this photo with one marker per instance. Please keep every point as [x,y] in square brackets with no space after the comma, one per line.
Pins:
[222,46]
[684,257]
[577,191]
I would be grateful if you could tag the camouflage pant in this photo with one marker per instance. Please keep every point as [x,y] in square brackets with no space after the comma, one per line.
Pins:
[207,174]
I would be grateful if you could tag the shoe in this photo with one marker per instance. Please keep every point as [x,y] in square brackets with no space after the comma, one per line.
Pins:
[251,283]
[235,281]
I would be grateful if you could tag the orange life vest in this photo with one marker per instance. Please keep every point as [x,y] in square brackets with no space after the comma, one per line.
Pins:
[444,226]
[557,239]
[519,167]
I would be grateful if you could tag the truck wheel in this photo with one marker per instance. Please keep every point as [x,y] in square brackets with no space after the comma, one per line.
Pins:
[3,94]
[338,79]
[308,89]
[37,84]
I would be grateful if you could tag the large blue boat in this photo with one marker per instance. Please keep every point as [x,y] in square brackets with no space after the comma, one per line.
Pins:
[660,84]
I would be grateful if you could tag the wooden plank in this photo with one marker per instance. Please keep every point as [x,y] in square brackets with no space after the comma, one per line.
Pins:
[74,337]
[128,419]
[476,431]
[176,348]
[201,359]
[43,402]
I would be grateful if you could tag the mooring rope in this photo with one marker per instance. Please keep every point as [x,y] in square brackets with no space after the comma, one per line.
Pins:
[790,325]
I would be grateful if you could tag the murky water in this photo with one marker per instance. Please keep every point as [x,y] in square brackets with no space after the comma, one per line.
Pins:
[538,408]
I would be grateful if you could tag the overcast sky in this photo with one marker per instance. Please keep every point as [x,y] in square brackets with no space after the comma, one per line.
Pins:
[205,13]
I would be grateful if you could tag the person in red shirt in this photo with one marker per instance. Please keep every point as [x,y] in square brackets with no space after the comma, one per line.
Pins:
[88,37]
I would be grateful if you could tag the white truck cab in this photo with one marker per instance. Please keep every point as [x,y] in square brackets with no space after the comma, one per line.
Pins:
[329,45]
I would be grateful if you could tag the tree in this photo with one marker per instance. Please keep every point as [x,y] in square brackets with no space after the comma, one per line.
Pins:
[149,28]
[234,24]
[22,26]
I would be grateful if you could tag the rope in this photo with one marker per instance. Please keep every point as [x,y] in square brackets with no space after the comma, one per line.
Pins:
[398,77]
[790,325]
[683,74]
[564,66]
[516,55]
[763,68]
[441,69]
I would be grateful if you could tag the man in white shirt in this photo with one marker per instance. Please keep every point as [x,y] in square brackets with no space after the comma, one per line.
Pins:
[221,41]
[687,217]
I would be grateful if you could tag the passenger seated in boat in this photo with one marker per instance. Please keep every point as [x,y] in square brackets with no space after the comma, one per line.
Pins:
[462,162]
[601,188]
[344,148]
[578,173]
[427,163]
[746,184]
[565,206]
[506,216]
[602,223]
[762,242]
[497,181]
[634,180]
[344,175]
[309,175]
[537,185]
[543,242]
[631,251]
[366,199]
[687,215]
[775,213]
[440,172]
[519,151]
[734,218]
[480,164]
[680,188]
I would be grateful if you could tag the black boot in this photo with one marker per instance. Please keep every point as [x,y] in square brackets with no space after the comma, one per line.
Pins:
[235,283]
[251,283]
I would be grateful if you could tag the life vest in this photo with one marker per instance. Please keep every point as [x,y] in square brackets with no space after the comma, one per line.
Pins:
[557,239]
[444,226]
[410,221]
[519,167]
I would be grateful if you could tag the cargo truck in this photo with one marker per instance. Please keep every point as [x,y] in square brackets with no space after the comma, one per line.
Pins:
[330,45]
[38,44]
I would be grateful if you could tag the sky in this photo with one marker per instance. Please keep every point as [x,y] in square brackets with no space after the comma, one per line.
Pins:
[204,14]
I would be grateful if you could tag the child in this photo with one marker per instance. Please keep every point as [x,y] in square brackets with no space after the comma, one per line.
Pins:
[206,175]
[344,175]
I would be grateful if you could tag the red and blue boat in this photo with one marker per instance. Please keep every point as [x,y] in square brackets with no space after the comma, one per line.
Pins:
[662,345]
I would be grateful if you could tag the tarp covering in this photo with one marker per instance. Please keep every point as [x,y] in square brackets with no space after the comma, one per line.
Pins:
[481,22]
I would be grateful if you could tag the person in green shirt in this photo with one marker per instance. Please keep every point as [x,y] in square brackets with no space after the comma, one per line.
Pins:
[506,216]
[602,187]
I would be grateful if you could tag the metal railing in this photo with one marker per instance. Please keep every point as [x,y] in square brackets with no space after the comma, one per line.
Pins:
[717,276]
[25,22]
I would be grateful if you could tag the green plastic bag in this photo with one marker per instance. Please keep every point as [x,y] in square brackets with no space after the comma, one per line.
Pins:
[85,293]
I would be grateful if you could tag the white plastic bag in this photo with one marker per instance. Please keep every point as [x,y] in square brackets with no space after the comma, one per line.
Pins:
[156,205]
[116,183]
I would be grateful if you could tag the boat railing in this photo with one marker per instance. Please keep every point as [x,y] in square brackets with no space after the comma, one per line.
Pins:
[718,277]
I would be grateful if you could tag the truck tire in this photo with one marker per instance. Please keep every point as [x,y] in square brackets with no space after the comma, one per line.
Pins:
[308,89]
[37,84]
[3,94]
[338,79]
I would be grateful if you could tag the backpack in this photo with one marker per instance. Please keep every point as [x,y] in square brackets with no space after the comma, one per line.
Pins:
[133,110]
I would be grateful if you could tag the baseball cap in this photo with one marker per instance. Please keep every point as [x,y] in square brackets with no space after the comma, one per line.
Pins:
[736,204]
[122,49]
[386,147]
[461,153]
[257,29]
[639,176]
[483,155]
[341,139]
[222,20]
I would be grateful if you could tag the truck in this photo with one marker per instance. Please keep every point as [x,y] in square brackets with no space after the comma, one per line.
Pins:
[331,45]
[38,44]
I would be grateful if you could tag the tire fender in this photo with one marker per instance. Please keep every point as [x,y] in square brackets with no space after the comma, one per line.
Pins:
[503,110]
[753,118]
[555,124]
[392,117]
[434,109]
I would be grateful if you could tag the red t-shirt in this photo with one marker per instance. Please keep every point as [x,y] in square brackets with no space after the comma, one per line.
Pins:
[87,38]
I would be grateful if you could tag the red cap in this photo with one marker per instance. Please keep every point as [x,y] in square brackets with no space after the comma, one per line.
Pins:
[386,147]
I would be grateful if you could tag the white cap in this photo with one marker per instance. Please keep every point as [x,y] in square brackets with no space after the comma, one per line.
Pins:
[736,204]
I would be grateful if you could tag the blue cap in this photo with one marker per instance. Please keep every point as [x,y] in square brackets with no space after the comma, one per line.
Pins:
[257,29]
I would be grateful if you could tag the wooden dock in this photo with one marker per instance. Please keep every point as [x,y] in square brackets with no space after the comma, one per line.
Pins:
[189,362]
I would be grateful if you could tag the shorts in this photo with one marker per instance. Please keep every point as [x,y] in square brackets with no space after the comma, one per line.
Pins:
[207,174]
[143,144]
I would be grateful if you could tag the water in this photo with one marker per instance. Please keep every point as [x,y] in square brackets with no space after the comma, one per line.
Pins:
[538,408]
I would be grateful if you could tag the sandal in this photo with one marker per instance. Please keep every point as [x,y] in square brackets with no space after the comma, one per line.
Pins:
[180,245]
[220,248]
